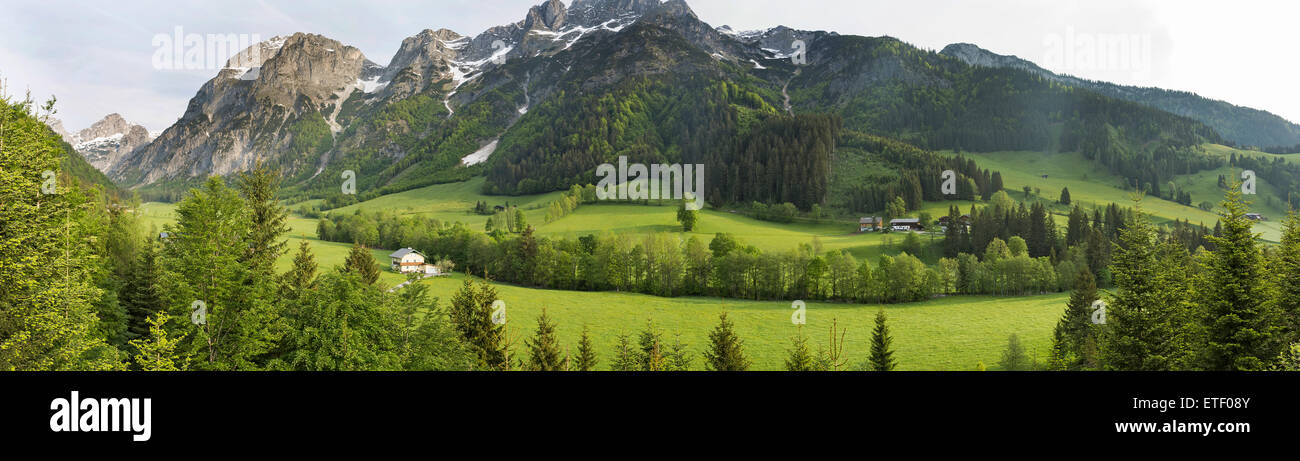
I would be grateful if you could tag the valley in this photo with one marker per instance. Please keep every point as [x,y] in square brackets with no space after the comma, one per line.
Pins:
[948,333]
[953,333]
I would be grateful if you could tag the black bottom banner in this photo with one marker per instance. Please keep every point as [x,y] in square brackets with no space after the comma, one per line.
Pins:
[225,411]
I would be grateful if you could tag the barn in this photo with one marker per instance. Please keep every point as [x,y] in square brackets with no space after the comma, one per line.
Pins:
[906,224]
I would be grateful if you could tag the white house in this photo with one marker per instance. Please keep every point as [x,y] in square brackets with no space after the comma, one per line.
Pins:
[408,261]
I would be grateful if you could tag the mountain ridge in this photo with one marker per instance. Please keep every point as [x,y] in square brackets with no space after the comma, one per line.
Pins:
[448,107]
[1239,124]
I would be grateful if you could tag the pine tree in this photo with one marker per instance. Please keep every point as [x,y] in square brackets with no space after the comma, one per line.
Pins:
[649,352]
[1075,326]
[267,218]
[1060,357]
[140,295]
[625,359]
[1145,315]
[882,353]
[1286,279]
[677,358]
[118,248]
[471,313]
[544,349]
[301,278]
[1240,324]
[586,359]
[159,352]
[726,350]
[362,263]
[800,358]
[1014,357]
[1065,196]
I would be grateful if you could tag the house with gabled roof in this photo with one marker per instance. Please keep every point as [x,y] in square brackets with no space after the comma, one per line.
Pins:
[906,224]
[407,261]
[870,224]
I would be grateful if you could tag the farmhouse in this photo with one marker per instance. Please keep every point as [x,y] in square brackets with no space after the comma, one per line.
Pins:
[407,261]
[1256,217]
[870,224]
[906,224]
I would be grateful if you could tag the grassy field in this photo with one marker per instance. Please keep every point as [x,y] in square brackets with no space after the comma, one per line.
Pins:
[942,334]
[1091,185]
[453,202]
[767,236]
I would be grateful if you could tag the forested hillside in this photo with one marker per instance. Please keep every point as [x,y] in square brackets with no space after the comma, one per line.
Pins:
[885,87]
[1239,125]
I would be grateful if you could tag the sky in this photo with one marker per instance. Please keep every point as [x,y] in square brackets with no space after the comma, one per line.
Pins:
[102,57]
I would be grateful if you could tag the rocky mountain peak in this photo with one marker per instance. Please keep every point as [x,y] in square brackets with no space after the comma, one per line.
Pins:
[547,16]
[598,11]
[676,8]
[106,141]
[422,59]
[309,65]
[109,125]
[255,55]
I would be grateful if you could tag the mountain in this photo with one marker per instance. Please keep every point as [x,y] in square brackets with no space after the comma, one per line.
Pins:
[273,108]
[536,104]
[106,141]
[289,108]
[1240,125]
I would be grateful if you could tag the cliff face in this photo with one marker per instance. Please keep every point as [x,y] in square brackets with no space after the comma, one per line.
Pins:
[248,111]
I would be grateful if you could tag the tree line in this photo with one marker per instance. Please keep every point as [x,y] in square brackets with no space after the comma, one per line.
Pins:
[664,264]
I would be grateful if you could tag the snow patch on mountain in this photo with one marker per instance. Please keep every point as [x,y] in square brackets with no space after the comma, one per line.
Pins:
[743,35]
[481,155]
[372,84]
[101,142]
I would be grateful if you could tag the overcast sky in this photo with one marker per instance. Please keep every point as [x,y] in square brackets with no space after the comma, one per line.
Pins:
[97,57]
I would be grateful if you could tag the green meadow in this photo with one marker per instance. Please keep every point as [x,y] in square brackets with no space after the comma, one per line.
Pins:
[1091,185]
[954,333]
